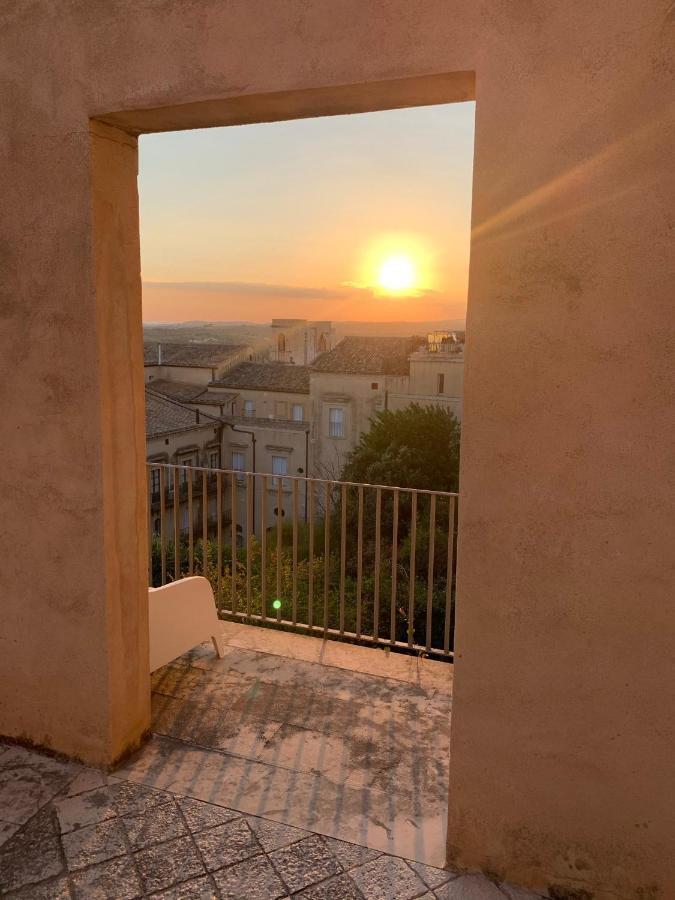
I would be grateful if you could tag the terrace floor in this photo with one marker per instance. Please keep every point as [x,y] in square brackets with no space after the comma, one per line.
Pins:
[292,767]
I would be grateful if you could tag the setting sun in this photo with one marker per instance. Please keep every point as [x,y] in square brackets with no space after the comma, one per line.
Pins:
[397,273]
[398,265]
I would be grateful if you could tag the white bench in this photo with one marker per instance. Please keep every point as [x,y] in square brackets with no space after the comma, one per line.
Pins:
[182,615]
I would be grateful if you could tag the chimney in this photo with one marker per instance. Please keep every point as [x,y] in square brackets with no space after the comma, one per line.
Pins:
[159,354]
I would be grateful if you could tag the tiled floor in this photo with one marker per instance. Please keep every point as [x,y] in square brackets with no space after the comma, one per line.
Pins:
[72,832]
[289,768]
[293,728]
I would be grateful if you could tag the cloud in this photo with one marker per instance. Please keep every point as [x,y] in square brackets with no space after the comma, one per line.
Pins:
[377,292]
[259,289]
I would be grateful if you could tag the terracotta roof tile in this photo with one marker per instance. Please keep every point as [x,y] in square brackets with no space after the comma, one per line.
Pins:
[165,416]
[190,354]
[269,376]
[369,356]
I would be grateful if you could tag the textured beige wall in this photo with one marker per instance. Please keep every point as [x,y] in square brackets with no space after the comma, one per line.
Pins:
[73,639]
[562,740]
[359,400]
[265,402]
[169,448]
[424,372]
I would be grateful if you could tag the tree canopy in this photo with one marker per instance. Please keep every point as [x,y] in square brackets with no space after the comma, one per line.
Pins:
[415,447]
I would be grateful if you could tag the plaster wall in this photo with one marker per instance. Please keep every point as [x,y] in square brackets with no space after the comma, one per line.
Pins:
[265,403]
[562,737]
[271,440]
[425,369]
[172,448]
[358,399]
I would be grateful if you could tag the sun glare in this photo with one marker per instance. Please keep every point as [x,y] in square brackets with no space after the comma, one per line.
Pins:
[397,265]
[397,273]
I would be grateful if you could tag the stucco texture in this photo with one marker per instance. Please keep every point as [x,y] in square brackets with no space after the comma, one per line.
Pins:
[562,737]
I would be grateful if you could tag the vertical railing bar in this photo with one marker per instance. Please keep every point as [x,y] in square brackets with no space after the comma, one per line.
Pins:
[233,538]
[326,552]
[378,537]
[280,518]
[219,534]
[448,587]
[263,547]
[359,561]
[162,524]
[205,524]
[150,573]
[394,566]
[294,611]
[430,574]
[191,530]
[176,524]
[249,538]
[413,565]
[310,587]
[343,553]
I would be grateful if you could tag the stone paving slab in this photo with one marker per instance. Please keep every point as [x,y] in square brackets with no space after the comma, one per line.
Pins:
[325,746]
[101,837]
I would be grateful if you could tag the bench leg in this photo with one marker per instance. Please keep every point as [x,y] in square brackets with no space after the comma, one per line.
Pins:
[219,644]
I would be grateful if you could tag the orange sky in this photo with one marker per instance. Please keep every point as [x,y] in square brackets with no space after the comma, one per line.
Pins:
[176,302]
[296,218]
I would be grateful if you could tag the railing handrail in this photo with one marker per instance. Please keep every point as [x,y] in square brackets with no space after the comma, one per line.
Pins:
[312,478]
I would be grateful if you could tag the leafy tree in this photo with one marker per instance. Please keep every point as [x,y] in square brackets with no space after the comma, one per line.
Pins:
[415,447]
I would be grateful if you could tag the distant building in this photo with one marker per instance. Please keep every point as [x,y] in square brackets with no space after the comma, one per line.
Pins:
[271,423]
[182,436]
[211,402]
[348,386]
[299,342]
[191,362]
[218,410]
[436,374]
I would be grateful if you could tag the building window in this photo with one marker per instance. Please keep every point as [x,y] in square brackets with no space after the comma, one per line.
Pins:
[239,465]
[249,408]
[281,343]
[441,383]
[279,467]
[154,475]
[374,385]
[214,459]
[336,422]
[186,475]
[280,409]
[298,412]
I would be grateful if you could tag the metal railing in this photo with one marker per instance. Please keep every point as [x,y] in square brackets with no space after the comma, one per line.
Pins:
[359,562]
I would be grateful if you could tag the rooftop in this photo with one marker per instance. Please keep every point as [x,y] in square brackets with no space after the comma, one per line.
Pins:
[369,356]
[216,398]
[166,416]
[268,376]
[177,390]
[205,355]
[190,393]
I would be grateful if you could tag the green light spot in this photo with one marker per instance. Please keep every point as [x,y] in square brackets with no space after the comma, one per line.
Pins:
[277,604]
